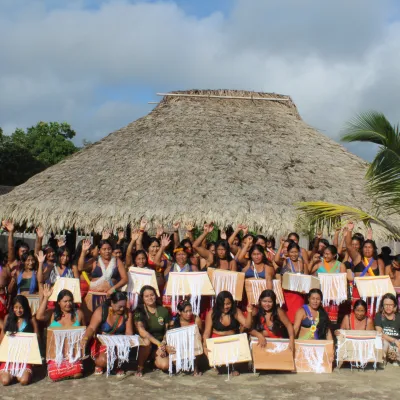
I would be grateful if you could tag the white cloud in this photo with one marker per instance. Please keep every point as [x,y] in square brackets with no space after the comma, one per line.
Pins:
[333,58]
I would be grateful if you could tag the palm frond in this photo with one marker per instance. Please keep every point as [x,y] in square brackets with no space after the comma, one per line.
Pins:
[330,215]
[370,126]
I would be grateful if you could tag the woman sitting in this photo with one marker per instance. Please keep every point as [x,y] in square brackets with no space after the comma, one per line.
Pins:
[358,320]
[19,319]
[271,321]
[111,318]
[387,321]
[225,319]
[64,315]
[151,321]
[312,321]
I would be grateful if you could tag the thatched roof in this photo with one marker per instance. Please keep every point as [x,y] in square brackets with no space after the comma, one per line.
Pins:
[195,159]
[5,189]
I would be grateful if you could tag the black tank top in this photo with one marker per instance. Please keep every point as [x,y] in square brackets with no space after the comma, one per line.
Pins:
[233,325]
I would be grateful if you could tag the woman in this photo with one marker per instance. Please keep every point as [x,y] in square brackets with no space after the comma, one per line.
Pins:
[151,321]
[64,315]
[303,252]
[108,275]
[49,275]
[387,322]
[25,282]
[181,259]
[366,261]
[89,258]
[19,319]
[111,318]
[271,251]
[185,317]
[282,252]
[295,265]
[312,321]
[222,257]
[358,320]
[225,319]
[271,321]
[393,270]
[329,265]
[129,258]
[257,266]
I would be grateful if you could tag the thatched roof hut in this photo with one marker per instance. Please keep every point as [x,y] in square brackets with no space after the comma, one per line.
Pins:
[225,160]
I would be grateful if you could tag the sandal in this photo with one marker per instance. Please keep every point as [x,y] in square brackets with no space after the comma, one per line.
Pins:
[98,371]
[139,372]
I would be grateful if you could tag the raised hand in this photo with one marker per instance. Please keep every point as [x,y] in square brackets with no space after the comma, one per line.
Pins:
[134,235]
[350,226]
[319,235]
[165,241]
[316,258]
[160,231]
[369,234]
[106,234]
[61,242]
[40,257]
[8,225]
[47,290]
[143,224]
[40,232]
[223,234]
[121,235]
[245,229]
[209,227]
[176,225]
[189,226]
[86,245]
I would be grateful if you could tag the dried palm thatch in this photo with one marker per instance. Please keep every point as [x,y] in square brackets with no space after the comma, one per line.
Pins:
[195,159]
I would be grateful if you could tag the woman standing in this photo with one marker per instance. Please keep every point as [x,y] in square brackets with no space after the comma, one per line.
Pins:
[295,265]
[387,321]
[25,281]
[312,321]
[151,321]
[225,319]
[271,321]
[19,319]
[108,275]
[257,266]
[64,315]
[111,318]
[222,257]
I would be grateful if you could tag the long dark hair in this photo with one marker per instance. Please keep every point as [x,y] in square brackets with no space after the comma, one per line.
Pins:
[323,324]
[57,310]
[60,251]
[277,327]
[12,319]
[225,245]
[219,306]
[262,251]
[141,311]
[373,244]
[181,307]
[137,253]
[25,256]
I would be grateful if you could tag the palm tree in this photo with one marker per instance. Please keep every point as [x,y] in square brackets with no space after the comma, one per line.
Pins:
[383,176]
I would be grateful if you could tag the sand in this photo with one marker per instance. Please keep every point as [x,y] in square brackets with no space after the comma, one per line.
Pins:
[341,384]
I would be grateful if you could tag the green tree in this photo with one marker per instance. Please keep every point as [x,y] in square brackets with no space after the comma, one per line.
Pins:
[382,177]
[24,154]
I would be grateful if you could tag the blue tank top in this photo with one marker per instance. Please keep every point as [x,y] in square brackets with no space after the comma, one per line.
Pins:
[56,324]
[250,274]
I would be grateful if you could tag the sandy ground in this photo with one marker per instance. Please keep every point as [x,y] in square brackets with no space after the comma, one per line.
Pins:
[341,384]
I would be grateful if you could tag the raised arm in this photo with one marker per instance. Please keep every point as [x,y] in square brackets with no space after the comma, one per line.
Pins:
[314,265]
[189,231]
[241,255]
[232,238]
[341,247]
[278,259]
[81,261]
[164,243]
[354,254]
[43,314]
[129,257]
[122,282]
[177,240]
[247,321]
[197,245]
[39,239]
[335,241]
[41,257]
[142,229]
[10,241]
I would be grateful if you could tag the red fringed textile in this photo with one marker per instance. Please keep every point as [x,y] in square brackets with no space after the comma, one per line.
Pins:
[333,312]
[3,367]
[65,370]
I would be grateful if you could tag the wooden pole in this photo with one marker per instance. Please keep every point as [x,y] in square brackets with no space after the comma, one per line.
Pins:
[222,97]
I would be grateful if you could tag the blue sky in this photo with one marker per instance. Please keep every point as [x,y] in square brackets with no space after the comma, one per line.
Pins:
[96,64]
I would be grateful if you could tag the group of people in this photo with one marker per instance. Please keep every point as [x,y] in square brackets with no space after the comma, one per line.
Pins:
[102,271]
